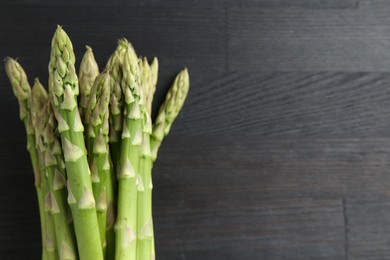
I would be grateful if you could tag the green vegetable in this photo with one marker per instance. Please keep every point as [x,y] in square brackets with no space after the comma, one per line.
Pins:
[152,80]
[38,100]
[169,110]
[94,187]
[88,72]
[114,64]
[100,161]
[167,114]
[128,175]
[55,175]
[63,85]
[144,204]
[22,89]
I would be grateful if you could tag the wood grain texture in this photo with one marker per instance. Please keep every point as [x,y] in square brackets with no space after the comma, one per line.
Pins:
[285,38]
[294,104]
[282,149]
[274,229]
[368,228]
[260,168]
[223,180]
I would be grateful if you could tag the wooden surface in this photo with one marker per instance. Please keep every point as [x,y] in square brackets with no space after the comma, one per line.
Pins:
[282,150]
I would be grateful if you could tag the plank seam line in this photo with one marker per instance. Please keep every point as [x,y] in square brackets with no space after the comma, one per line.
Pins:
[346,228]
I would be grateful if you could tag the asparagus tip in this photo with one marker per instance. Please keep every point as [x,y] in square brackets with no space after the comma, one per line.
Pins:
[18,78]
[6,59]
[122,41]
[38,89]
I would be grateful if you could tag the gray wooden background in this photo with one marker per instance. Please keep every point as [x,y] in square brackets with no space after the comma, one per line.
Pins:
[282,150]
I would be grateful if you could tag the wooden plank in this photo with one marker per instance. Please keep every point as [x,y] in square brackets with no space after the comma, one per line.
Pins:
[233,254]
[296,39]
[298,229]
[306,4]
[123,3]
[291,104]
[259,168]
[368,228]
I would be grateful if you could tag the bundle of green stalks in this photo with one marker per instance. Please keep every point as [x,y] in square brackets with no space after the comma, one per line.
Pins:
[92,145]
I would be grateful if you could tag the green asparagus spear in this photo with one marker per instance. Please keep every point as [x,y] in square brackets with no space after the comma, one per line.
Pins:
[100,164]
[38,100]
[144,210]
[88,72]
[147,161]
[55,177]
[114,64]
[169,110]
[167,114]
[22,89]
[128,171]
[152,80]
[63,85]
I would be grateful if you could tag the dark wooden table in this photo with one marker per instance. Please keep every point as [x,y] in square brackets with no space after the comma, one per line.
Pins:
[283,148]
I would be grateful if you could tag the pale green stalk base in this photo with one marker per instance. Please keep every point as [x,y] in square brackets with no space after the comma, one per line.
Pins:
[85,219]
[35,163]
[97,192]
[153,250]
[111,190]
[50,231]
[144,221]
[66,242]
[42,220]
[127,197]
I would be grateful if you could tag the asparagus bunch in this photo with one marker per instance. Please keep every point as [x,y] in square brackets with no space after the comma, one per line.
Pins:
[93,157]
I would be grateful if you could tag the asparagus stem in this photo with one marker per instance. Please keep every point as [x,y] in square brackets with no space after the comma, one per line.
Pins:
[114,64]
[152,80]
[111,217]
[88,72]
[55,175]
[153,84]
[169,110]
[144,210]
[128,176]
[100,158]
[39,118]
[63,85]
[167,114]
[145,236]
[22,89]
